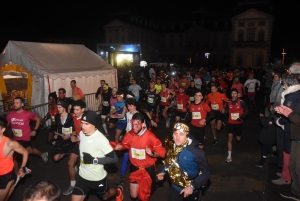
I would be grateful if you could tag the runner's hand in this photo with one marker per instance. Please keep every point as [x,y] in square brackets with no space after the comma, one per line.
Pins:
[239,119]
[65,136]
[87,158]
[187,191]
[118,147]
[202,122]
[148,151]
[32,133]
[160,176]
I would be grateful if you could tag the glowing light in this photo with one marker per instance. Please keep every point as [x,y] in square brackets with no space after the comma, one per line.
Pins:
[207,55]
[124,57]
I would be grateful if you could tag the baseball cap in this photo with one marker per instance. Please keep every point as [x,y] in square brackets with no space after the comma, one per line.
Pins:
[90,117]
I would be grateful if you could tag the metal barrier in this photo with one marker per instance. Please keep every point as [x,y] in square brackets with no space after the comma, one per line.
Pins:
[42,109]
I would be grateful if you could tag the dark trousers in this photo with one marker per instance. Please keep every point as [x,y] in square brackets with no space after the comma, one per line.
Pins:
[174,195]
[280,135]
[295,167]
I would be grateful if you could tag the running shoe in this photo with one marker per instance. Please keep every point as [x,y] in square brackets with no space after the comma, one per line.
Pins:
[69,190]
[228,159]
[45,157]
[119,196]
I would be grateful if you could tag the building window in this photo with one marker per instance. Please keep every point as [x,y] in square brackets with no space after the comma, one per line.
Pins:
[239,61]
[261,35]
[241,24]
[251,23]
[251,35]
[241,36]
[259,61]
[261,23]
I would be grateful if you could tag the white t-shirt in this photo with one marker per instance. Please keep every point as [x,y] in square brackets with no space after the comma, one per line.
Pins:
[129,123]
[250,84]
[198,83]
[98,146]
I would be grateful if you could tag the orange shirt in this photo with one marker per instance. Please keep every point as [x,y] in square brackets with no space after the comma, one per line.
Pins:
[6,163]
[216,100]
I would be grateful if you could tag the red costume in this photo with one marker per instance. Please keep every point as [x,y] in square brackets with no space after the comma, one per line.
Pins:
[139,158]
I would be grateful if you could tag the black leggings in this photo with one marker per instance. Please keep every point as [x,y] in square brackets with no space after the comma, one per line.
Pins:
[174,195]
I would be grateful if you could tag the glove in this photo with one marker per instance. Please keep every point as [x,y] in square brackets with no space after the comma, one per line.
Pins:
[239,119]
[87,158]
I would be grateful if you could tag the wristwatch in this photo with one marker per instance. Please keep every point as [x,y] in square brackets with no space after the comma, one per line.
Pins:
[192,186]
[95,161]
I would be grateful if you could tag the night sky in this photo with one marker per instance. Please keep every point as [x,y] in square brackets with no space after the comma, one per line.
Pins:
[37,21]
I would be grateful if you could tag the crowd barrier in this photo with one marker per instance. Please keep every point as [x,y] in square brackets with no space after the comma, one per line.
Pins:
[41,110]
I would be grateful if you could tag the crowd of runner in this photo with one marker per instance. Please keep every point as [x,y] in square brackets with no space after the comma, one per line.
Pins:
[188,100]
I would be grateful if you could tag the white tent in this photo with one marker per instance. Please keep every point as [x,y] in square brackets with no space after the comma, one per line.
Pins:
[53,66]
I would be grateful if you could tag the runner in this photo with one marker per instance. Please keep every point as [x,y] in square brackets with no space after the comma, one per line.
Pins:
[76,91]
[79,107]
[8,176]
[95,152]
[151,96]
[121,116]
[251,85]
[19,120]
[200,113]
[165,103]
[112,122]
[62,97]
[105,100]
[187,176]
[52,111]
[216,101]
[237,111]
[191,91]
[144,147]
[182,102]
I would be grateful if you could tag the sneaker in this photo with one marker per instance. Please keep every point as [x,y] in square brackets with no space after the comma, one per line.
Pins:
[69,190]
[228,159]
[45,157]
[279,174]
[215,141]
[289,195]
[120,181]
[119,196]
[280,182]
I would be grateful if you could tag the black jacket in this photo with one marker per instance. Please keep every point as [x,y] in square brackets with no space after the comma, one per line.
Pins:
[267,134]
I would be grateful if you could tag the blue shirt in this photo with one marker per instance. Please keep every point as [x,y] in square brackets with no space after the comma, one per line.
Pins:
[119,106]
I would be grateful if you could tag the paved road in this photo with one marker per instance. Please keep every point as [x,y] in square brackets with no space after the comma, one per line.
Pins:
[238,180]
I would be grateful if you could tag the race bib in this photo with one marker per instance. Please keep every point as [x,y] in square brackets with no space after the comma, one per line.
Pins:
[179,106]
[139,154]
[112,108]
[135,94]
[67,130]
[150,100]
[214,106]
[235,116]
[17,132]
[196,115]
[192,98]
[163,99]
[52,118]
[85,166]
[183,84]
[105,103]
[239,95]
[251,89]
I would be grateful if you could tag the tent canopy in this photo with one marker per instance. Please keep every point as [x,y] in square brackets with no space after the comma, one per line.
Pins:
[55,60]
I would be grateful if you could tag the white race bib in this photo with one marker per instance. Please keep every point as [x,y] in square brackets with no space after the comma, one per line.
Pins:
[112,108]
[105,103]
[150,100]
[214,106]
[235,116]
[139,154]
[179,106]
[239,95]
[183,84]
[192,98]
[67,130]
[52,118]
[85,166]
[163,99]
[196,115]
[17,132]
